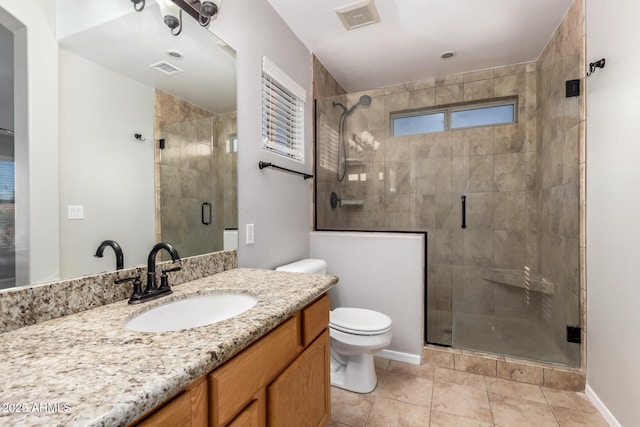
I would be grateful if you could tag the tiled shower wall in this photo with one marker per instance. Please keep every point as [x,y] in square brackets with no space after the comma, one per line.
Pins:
[521,183]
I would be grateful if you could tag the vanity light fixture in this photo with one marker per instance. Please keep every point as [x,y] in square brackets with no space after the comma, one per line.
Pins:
[201,10]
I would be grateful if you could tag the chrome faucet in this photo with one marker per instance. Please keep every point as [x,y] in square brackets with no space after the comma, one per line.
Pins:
[116,248]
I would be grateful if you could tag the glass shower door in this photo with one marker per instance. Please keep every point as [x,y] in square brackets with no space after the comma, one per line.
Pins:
[516,288]
[188,216]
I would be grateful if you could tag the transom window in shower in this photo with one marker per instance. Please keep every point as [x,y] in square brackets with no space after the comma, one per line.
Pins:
[454,117]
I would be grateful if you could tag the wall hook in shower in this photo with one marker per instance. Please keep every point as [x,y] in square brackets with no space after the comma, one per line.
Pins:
[263,165]
[598,64]
[139,137]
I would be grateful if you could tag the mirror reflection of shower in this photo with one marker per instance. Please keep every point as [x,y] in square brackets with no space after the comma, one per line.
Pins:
[365,100]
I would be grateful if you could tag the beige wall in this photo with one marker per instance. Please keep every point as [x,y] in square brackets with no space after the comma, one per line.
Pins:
[324,84]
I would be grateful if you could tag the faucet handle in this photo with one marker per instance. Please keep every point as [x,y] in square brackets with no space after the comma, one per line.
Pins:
[137,286]
[164,278]
[169,270]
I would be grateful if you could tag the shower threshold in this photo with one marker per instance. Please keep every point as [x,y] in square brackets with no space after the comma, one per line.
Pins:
[519,338]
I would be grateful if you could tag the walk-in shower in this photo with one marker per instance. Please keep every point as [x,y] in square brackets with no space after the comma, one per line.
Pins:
[499,202]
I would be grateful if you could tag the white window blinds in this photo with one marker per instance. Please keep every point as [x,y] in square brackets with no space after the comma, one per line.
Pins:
[282,113]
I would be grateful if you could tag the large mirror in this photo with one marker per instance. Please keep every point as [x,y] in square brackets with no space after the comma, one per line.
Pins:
[147,142]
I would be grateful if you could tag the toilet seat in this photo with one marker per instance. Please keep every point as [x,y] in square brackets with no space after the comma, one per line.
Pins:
[359,321]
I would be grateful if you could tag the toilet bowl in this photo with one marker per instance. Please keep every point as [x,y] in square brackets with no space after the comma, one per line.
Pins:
[356,335]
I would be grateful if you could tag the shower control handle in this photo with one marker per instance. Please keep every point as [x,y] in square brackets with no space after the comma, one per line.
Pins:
[464,211]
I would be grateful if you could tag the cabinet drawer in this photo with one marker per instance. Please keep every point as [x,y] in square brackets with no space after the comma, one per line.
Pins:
[232,386]
[315,319]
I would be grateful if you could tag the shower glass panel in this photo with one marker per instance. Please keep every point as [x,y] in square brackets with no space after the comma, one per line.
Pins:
[517,287]
[198,195]
[508,283]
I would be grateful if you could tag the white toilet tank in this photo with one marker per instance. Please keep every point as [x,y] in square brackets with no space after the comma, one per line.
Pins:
[308,265]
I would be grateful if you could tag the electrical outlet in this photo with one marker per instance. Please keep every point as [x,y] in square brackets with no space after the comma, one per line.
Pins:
[250,235]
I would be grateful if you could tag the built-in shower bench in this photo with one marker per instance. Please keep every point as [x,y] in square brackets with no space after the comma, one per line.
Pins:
[520,279]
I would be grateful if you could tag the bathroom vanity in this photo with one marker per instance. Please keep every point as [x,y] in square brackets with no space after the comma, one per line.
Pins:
[283,378]
[266,365]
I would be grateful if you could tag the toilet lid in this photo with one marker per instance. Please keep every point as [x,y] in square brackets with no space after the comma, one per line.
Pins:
[359,320]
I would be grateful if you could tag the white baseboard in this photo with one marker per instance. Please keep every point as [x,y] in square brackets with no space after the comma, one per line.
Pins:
[600,406]
[414,359]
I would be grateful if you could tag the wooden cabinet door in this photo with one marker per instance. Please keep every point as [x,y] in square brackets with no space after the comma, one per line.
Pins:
[249,417]
[187,409]
[300,396]
[234,385]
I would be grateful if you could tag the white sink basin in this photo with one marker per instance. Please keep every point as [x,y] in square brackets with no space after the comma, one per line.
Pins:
[191,312]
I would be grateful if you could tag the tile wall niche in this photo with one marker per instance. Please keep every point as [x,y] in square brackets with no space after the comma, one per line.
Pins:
[29,305]
[510,174]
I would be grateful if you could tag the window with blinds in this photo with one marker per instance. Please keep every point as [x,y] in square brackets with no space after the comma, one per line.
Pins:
[282,113]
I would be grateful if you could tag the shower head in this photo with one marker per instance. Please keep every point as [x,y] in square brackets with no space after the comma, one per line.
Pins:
[365,100]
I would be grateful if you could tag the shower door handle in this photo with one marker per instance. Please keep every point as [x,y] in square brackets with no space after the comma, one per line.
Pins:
[206,220]
[464,211]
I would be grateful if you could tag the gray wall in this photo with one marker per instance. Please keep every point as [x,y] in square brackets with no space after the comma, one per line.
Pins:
[279,204]
[613,150]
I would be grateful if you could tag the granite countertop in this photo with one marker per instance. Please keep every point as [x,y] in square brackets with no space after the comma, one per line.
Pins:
[86,369]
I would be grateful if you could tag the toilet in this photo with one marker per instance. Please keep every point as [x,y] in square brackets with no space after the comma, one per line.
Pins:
[356,335]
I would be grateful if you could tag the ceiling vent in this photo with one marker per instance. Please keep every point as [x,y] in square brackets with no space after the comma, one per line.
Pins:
[166,68]
[358,15]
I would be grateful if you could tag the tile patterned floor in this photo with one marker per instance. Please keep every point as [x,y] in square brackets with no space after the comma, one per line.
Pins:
[411,395]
